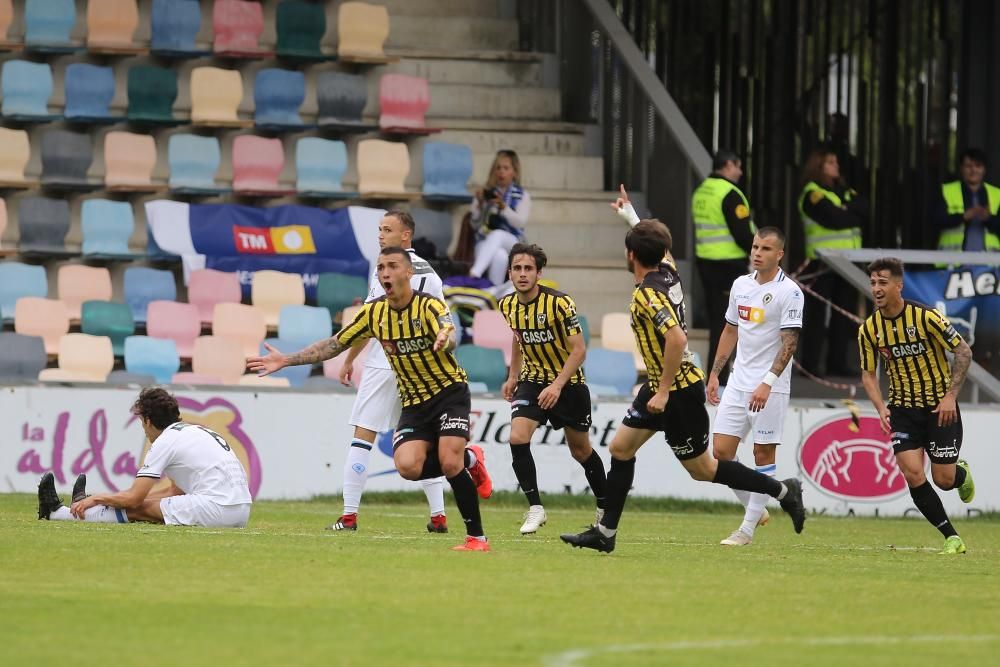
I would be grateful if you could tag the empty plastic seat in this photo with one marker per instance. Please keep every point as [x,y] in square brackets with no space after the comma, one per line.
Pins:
[3,224]
[300,27]
[152,92]
[341,99]
[337,291]
[90,90]
[257,163]
[237,25]
[215,97]
[111,26]
[76,283]
[447,170]
[66,157]
[434,226]
[48,24]
[320,165]
[143,285]
[382,169]
[610,368]
[180,322]
[362,30]
[22,358]
[152,356]
[44,223]
[46,318]
[106,318]
[15,151]
[175,25]
[404,100]
[129,161]
[483,364]
[278,94]
[217,357]
[303,325]
[295,376]
[270,290]
[194,162]
[616,334]
[243,324]
[6,18]
[585,329]
[107,226]
[207,287]
[18,280]
[26,88]
[82,358]
[489,329]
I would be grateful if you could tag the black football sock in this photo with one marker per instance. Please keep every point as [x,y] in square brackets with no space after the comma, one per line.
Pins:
[524,469]
[619,483]
[432,467]
[735,475]
[959,477]
[593,468]
[467,500]
[929,504]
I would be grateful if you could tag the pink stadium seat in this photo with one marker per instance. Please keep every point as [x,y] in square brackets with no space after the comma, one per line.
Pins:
[76,283]
[331,367]
[257,163]
[46,318]
[218,357]
[207,287]
[404,101]
[180,322]
[238,25]
[489,329]
[242,324]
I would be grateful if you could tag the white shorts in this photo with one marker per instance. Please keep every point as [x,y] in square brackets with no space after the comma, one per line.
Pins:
[733,417]
[190,510]
[377,405]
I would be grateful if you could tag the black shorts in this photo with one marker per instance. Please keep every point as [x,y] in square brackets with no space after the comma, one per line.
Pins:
[684,422]
[917,428]
[445,414]
[572,410]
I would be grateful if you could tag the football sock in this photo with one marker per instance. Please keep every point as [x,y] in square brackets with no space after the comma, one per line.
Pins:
[620,478]
[434,490]
[464,490]
[741,495]
[929,504]
[356,474]
[959,477]
[758,501]
[96,514]
[593,468]
[432,468]
[524,469]
[470,458]
[738,476]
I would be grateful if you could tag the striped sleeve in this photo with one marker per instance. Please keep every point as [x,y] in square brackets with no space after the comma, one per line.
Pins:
[942,330]
[568,317]
[358,328]
[437,316]
[657,309]
[869,362]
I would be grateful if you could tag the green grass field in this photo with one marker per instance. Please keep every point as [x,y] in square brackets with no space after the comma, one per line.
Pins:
[286,592]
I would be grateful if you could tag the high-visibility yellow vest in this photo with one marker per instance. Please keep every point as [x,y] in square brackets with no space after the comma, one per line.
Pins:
[818,236]
[712,239]
[953,238]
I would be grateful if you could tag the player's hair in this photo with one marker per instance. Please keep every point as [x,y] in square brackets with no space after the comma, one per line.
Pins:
[396,250]
[724,155]
[515,162]
[649,240]
[977,155]
[891,264]
[157,407]
[772,231]
[541,259]
[404,217]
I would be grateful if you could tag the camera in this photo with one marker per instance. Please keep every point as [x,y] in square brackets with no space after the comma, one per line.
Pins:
[490,194]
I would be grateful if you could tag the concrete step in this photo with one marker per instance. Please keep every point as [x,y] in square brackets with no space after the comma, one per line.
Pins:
[582,242]
[491,73]
[445,8]
[464,101]
[567,210]
[484,141]
[453,32]
[551,172]
[597,289]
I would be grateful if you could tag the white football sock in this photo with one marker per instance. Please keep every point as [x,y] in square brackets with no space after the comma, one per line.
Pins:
[758,501]
[97,514]
[434,490]
[356,474]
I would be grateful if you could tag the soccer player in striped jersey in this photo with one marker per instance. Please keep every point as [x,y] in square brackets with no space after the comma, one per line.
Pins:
[546,382]
[672,401]
[418,336]
[922,412]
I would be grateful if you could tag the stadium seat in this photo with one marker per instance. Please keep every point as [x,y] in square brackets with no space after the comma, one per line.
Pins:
[321,383]
[66,158]
[490,329]
[3,225]
[129,161]
[295,376]
[46,318]
[152,92]
[478,388]
[341,99]
[187,377]
[331,367]
[300,26]
[111,26]
[434,226]
[215,97]
[179,322]
[337,291]
[616,334]
[22,358]
[143,284]
[278,94]
[18,280]
[404,100]
[303,325]
[26,88]
[257,164]
[362,30]
[106,318]
[90,90]
[382,169]
[217,357]
[106,226]
[43,223]
[237,25]
[320,165]
[152,356]
[127,379]
[273,380]
[48,24]
[6,19]
[175,25]
[447,170]
[194,162]
[15,152]
[207,287]
[270,290]
[610,368]
[82,358]
[243,324]
[483,364]
[76,283]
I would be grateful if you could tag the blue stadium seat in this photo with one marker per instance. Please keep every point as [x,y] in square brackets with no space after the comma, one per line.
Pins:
[483,364]
[434,226]
[17,280]
[194,161]
[278,94]
[447,170]
[304,324]
[44,223]
[341,98]
[152,356]
[26,88]
[610,368]
[66,158]
[320,165]
[107,226]
[21,357]
[143,284]
[175,25]
[89,92]
[48,24]
[296,375]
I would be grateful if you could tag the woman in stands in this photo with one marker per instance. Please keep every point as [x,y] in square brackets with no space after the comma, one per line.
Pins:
[499,215]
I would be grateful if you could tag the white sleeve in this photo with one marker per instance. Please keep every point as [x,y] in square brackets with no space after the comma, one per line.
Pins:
[732,315]
[628,213]
[519,218]
[791,310]
[435,287]
[159,456]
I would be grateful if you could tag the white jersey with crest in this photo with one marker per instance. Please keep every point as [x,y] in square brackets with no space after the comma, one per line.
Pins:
[424,280]
[200,462]
[760,312]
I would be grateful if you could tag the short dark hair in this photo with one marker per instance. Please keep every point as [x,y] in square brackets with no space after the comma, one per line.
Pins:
[397,250]
[772,231]
[535,251]
[977,155]
[157,407]
[649,241]
[723,156]
[403,216]
[891,264]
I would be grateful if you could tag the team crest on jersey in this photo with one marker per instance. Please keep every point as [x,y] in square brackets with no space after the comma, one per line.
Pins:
[911,332]
[417,325]
[767,298]
[541,319]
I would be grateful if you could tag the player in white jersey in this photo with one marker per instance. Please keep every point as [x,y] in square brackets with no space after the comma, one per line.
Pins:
[377,407]
[208,483]
[764,317]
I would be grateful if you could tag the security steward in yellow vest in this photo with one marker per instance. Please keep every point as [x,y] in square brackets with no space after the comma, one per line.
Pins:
[832,216]
[723,232]
[967,217]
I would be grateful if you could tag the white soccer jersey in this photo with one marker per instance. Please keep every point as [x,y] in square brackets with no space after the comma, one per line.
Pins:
[761,312]
[424,280]
[200,463]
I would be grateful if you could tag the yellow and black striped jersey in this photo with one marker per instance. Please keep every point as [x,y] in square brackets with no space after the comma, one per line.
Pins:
[543,328]
[912,347]
[407,336]
[653,315]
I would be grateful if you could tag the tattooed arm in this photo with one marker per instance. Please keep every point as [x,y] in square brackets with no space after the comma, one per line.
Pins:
[947,409]
[789,342]
[314,354]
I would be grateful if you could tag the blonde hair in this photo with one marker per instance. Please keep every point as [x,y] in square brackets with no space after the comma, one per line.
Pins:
[491,181]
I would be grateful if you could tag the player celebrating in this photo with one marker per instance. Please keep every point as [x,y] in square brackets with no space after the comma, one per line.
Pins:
[764,317]
[672,401]
[546,383]
[417,333]
[922,413]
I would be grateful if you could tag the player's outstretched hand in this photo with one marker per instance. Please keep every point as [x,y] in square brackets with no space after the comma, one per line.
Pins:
[274,361]
[713,389]
[622,200]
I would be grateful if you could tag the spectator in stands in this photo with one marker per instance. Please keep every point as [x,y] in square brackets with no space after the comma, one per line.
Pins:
[967,212]
[832,216]
[499,215]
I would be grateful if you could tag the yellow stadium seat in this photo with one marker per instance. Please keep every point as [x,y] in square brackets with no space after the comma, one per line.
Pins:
[271,290]
[82,358]
[15,151]
[215,97]
[616,334]
[382,170]
[362,30]
[241,323]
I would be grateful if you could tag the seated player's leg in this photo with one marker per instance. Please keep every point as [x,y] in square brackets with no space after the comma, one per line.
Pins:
[51,507]
[192,510]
